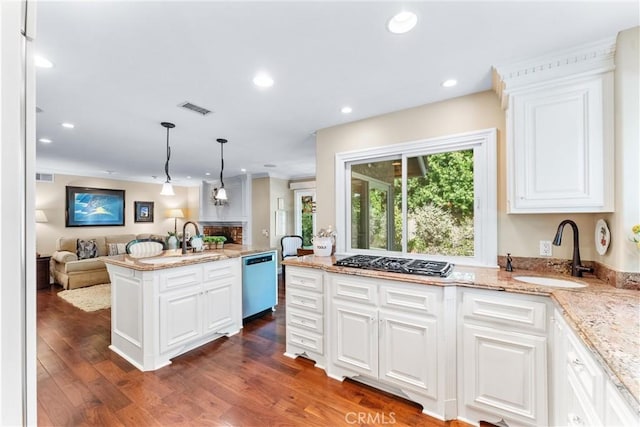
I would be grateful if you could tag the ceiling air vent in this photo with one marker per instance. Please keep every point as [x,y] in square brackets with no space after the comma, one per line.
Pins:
[44,177]
[195,108]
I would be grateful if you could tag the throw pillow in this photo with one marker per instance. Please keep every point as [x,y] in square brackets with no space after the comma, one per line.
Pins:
[87,249]
[117,249]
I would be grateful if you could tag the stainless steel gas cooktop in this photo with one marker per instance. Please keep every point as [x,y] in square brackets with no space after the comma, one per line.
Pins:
[397,265]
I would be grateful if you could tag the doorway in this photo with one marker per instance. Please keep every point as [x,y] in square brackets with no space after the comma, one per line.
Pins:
[305,215]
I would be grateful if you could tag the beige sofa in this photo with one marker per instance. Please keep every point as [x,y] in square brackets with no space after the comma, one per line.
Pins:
[70,272]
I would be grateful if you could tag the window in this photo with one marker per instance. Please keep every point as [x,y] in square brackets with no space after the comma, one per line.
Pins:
[431,199]
[305,215]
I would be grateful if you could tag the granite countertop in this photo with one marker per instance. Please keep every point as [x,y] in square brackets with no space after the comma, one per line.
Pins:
[606,318]
[174,258]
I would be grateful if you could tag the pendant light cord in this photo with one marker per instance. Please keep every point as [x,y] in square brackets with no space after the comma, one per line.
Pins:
[222,163]
[166,165]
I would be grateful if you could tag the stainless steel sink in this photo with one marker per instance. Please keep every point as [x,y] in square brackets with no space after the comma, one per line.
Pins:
[551,282]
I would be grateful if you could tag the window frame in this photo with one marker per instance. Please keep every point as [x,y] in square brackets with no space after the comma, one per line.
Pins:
[484,145]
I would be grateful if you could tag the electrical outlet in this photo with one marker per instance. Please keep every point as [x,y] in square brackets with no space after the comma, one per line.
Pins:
[545,248]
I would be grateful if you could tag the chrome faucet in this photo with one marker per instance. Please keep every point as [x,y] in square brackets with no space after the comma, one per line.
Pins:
[576,265]
[184,235]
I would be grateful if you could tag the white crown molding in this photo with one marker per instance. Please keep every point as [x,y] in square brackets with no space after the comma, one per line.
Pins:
[587,59]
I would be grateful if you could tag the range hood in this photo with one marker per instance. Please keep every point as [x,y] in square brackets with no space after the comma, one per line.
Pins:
[237,209]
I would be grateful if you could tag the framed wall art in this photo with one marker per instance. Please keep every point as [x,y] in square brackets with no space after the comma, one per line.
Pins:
[143,211]
[93,207]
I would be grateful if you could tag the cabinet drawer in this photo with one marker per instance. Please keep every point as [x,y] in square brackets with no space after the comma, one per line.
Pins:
[218,270]
[307,301]
[585,370]
[305,339]
[180,277]
[416,298]
[507,310]
[356,289]
[306,320]
[304,278]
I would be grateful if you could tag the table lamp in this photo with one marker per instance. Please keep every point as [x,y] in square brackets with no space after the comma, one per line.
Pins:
[175,214]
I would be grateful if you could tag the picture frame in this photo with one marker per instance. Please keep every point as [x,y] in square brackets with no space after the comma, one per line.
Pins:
[143,211]
[94,207]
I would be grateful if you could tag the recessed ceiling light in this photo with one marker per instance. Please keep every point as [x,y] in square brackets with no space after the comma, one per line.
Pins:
[346,109]
[188,176]
[449,83]
[243,170]
[42,62]
[67,125]
[45,140]
[263,80]
[402,23]
[207,173]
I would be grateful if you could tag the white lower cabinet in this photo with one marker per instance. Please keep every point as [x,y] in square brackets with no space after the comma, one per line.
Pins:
[462,353]
[305,314]
[583,394]
[180,318]
[387,334]
[502,363]
[160,314]
[189,311]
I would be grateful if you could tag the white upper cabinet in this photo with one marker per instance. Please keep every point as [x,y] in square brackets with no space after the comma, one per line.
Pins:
[559,130]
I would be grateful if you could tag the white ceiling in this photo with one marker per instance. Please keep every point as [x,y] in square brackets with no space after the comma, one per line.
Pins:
[121,68]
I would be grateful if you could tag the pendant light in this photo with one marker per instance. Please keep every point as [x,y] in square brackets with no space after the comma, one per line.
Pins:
[167,188]
[221,193]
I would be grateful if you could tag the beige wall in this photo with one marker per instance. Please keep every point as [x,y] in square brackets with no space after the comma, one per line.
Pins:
[265,194]
[260,208]
[517,234]
[50,197]
[622,254]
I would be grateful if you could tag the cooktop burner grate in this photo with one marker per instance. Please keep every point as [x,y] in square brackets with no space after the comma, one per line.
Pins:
[397,265]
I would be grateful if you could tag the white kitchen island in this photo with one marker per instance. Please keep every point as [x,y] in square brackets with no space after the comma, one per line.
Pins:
[164,306]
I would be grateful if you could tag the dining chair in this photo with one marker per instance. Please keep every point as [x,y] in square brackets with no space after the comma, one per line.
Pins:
[289,248]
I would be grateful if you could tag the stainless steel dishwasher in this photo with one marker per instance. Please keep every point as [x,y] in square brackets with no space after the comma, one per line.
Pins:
[259,283]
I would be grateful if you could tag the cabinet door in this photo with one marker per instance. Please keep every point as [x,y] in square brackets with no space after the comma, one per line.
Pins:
[217,306]
[505,373]
[616,411]
[355,338]
[560,147]
[580,409]
[180,318]
[409,352]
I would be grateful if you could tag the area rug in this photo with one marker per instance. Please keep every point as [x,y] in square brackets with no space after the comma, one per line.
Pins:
[90,298]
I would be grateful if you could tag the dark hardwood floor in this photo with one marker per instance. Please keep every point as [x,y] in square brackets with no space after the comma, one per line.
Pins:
[242,380]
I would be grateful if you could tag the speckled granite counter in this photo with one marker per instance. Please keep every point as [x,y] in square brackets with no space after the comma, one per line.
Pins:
[174,258]
[606,318]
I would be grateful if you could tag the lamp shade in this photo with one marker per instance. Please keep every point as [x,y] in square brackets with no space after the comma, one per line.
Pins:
[41,216]
[174,213]
[221,194]
[167,189]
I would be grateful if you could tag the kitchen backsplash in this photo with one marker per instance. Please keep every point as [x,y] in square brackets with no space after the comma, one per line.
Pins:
[617,279]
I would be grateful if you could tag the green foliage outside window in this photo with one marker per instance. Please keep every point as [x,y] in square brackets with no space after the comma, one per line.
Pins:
[440,204]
